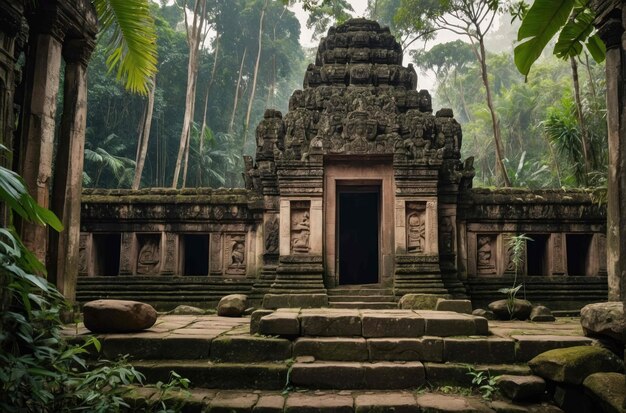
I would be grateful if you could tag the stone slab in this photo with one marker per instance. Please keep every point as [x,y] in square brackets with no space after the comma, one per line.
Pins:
[522,388]
[529,346]
[405,349]
[479,350]
[233,402]
[447,323]
[323,403]
[455,374]
[248,349]
[439,403]
[255,319]
[269,403]
[399,324]
[331,348]
[280,323]
[327,323]
[458,306]
[388,402]
[273,301]
[389,375]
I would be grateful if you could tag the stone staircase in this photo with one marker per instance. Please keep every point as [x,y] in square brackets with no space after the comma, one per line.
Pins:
[331,349]
[366,296]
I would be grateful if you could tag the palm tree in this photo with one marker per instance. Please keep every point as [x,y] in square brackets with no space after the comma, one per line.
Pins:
[103,158]
[132,45]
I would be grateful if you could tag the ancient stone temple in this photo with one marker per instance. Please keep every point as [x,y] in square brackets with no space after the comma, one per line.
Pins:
[356,196]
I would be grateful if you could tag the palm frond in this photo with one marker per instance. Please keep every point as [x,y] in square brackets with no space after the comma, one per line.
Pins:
[132,46]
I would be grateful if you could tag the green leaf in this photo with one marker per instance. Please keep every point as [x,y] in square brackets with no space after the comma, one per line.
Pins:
[573,34]
[541,23]
[596,48]
[132,46]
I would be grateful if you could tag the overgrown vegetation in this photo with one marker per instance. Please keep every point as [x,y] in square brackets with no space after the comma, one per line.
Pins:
[40,371]
[516,247]
[483,382]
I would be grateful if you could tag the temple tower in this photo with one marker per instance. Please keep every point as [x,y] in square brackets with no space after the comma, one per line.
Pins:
[360,179]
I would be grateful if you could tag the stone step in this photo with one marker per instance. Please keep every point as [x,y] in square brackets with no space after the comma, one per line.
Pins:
[371,305]
[361,298]
[344,401]
[359,290]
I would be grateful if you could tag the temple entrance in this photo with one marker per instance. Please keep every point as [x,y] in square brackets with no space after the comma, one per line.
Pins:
[358,234]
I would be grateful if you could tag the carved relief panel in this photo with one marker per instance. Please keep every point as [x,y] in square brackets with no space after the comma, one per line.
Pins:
[148,258]
[415,227]
[171,254]
[235,253]
[486,254]
[271,235]
[557,254]
[126,253]
[300,230]
[84,254]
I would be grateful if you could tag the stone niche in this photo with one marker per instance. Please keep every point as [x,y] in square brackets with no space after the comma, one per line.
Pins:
[300,230]
[235,254]
[148,254]
[416,227]
[486,247]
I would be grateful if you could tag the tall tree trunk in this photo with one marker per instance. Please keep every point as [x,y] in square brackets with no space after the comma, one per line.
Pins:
[591,83]
[206,105]
[194,38]
[236,102]
[186,162]
[254,77]
[581,121]
[145,137]
[495,122]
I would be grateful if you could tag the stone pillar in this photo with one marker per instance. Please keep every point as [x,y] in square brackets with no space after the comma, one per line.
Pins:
[610,22]
[64,246]
[38,124]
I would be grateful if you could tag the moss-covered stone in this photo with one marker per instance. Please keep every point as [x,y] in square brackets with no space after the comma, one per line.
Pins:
[608,390]
[572,365]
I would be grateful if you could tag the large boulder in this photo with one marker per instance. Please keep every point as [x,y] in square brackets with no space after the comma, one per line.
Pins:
[118,316]
[520,309]
[420,301]
[233,305]
[607,390]
[603,320]
[573,364]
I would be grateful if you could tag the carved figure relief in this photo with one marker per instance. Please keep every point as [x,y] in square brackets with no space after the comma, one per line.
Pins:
[300,227]
[446,232]
[83,254]
[415,227]
[170,254]
[485,258]
[149,254]
[271,235]
[235,254]
[125,253]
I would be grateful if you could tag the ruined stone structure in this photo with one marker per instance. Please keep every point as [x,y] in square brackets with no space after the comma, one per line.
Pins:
[35,38]
[359,184]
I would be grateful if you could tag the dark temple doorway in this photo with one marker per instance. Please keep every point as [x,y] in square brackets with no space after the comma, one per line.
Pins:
[358,219]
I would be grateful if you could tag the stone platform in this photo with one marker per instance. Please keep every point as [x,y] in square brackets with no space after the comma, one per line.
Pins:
[335,349]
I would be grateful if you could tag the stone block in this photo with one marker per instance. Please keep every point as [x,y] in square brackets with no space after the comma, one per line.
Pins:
[389,375]
[541,314]
[387,324]
[522,388]
[280,323]
[447,323]
[420,301]
[529,346]
[606,390]
[255,319]
[520,310]
[488,314]
[500,406]
[604,320]
[455,374]
[388,402]
[247,349]
[232,401]
[458,306]
[331,348]
[479,350]
[340,323]
[405,349]
[572,365]
[441,403]
[327,375]
[269,403]
[482,325]
[118,316]
[273,301]
[323,403]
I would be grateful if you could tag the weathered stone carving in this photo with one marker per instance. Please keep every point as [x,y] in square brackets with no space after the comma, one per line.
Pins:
[149,254]
[300,227]
[216,254]
[169,266]
[271,235]
[125,253]
[446,232]
[83,254]
[485,258]
[235,254]
[415,227]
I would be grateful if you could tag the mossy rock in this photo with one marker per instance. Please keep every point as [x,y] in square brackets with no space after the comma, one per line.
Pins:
[607,390]
[572,365]
[420,301]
